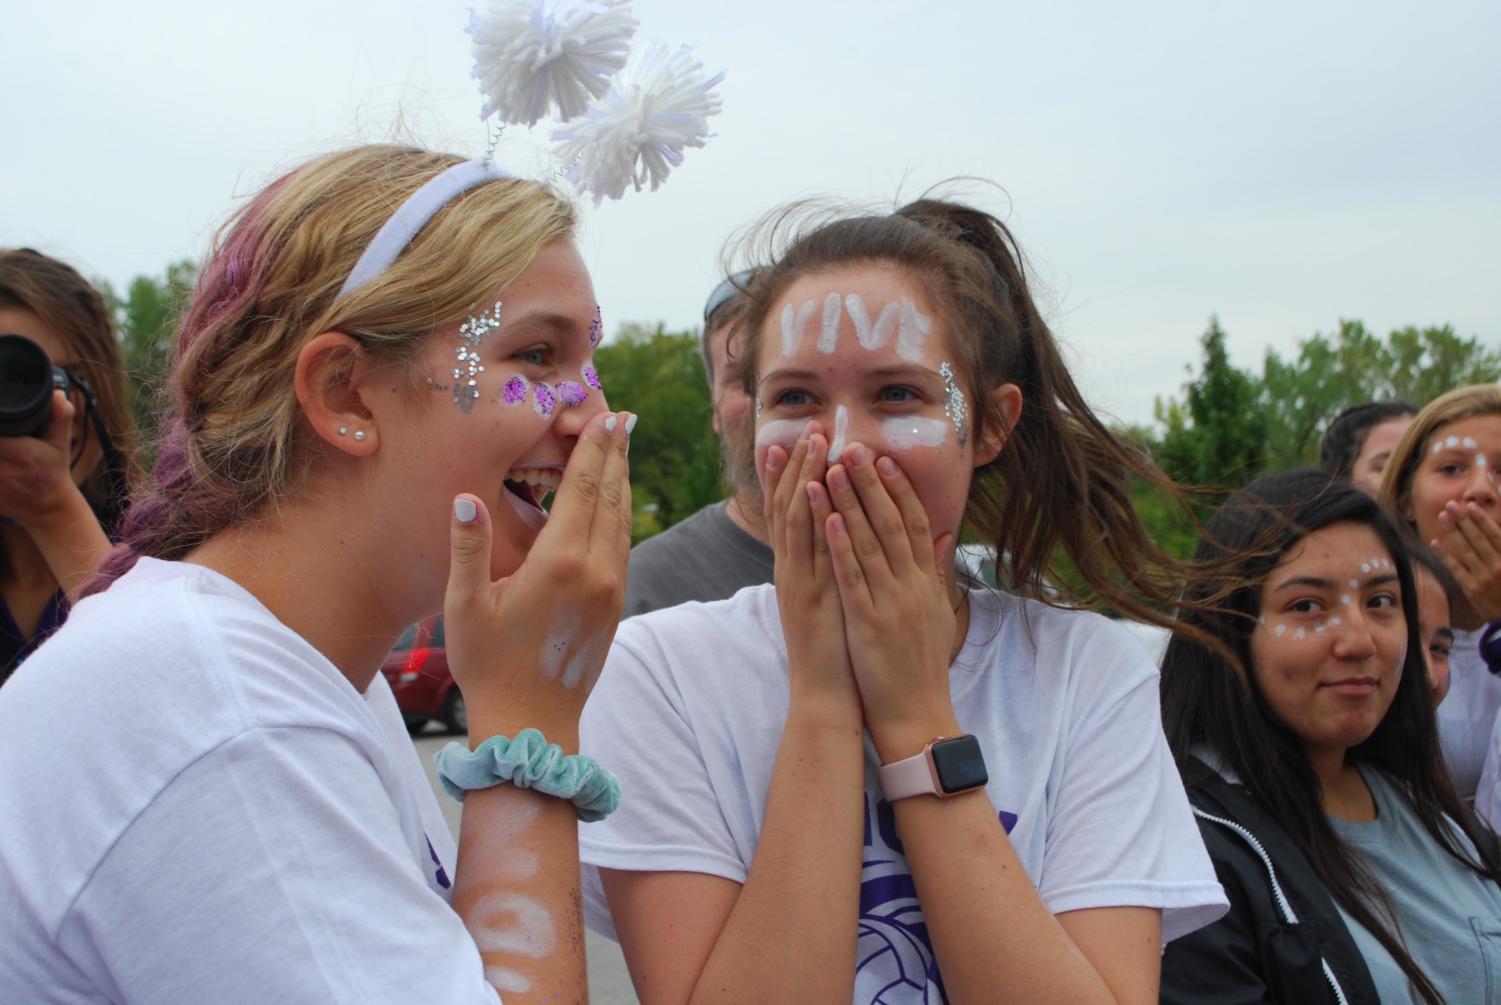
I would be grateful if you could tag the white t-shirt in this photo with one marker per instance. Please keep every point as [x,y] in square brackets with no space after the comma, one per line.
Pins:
[1467,716]
[690,710]
[196,806]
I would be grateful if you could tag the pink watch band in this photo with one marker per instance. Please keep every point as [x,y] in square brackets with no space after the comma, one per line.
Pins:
[911,776]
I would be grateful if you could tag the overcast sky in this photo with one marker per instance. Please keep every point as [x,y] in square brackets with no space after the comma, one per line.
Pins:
[1281,165]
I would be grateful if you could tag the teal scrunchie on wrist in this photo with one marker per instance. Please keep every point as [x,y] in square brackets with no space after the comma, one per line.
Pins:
[530,762]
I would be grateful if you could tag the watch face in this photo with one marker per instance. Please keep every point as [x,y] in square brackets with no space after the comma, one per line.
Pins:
[959,764]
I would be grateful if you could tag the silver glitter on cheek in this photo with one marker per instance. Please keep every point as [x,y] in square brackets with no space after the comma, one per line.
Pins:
[467,366]
[955,406]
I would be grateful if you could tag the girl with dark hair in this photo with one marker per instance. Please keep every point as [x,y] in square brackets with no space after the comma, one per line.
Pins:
[1307,740]
[1359,440]
[866,782]
[61,491]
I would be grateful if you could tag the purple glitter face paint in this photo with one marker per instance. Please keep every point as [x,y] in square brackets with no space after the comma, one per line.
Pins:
[514,392]
[591,377]
[543,400]
[596,329]
[572,394]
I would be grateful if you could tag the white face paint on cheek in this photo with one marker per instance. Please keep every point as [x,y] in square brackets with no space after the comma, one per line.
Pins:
[841,426]
[906,433]
[1300,635]
[1279,631]
[780,432]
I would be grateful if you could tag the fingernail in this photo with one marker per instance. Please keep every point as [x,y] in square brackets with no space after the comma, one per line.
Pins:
[610,424]
[857,456]
[773,460]
[464,510]
[838,481]
[812,492]
[887,467]
[630,422]
[836,525]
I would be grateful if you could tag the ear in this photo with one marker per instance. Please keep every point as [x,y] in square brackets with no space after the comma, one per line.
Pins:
[1007,400]
[329,384]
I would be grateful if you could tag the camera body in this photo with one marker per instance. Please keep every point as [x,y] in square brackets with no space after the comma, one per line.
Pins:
[27,380]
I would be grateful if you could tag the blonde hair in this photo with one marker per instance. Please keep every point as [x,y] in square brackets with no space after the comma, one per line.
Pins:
[272,282]
[1402,465]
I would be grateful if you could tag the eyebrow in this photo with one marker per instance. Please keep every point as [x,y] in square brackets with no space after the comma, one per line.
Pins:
[537,319]
[1447,633]
[881,373]
[1329,584]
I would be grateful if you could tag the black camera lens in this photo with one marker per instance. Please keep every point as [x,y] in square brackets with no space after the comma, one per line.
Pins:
[27,378]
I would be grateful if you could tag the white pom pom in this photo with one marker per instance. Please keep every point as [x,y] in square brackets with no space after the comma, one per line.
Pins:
[637,132]
[532,55]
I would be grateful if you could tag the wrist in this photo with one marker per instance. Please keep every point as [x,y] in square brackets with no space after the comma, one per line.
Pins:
[64,509]
[898,740]
[483,725]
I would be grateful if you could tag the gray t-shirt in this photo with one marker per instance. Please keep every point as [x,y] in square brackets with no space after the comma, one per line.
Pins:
[1450,916]
[704,557]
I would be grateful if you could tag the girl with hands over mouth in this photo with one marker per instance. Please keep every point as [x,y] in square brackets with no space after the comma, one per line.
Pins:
[1440,484]
[386,368]
[866,781]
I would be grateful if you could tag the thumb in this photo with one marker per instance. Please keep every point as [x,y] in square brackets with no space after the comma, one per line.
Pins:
[59,431]
[469,542]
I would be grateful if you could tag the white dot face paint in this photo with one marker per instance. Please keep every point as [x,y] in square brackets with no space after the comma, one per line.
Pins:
[841,427]
[909,432]
[1343,599]
[1469,443]
[1299,635]
[1336,621]
[1452,441]
[1280,630]
[1354,584]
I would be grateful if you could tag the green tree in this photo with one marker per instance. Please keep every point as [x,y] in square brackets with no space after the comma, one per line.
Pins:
[659,375]
[1217,435]
[148,315]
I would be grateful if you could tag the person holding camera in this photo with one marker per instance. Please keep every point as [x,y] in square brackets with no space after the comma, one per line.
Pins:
[66,442]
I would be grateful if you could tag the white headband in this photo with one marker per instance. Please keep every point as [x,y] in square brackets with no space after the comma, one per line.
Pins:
[411,216]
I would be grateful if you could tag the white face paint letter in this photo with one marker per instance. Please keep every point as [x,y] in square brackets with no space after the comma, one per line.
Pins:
[871,337]
[793,325]
[912,332]
[828,337]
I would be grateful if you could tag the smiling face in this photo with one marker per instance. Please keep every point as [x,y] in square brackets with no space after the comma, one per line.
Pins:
[1327,654]
[1380,440]
[506,436]
[1456,464]
[862,350]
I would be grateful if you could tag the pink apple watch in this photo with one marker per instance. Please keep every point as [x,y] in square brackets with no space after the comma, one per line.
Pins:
[949,766]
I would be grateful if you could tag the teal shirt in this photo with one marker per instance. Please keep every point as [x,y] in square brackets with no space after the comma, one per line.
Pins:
[1450,916]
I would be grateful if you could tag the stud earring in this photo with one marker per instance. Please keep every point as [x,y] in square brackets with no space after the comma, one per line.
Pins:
[343,430]
[359,435]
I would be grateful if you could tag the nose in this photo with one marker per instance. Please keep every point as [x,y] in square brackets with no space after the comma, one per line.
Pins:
[1480,485]
[1352,633]
[578,401]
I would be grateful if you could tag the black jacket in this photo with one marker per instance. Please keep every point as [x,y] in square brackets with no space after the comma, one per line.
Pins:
[1283,939]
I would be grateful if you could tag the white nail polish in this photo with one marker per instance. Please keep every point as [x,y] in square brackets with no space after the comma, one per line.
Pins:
[630,424]
[464,510]
[610,424]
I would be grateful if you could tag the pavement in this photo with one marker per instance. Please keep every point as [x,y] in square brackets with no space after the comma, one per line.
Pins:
[609,982]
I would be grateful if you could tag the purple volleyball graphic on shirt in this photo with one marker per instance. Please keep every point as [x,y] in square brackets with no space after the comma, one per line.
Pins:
[572,394]
[543,400]
[591,377]
[596,328]
[514,393]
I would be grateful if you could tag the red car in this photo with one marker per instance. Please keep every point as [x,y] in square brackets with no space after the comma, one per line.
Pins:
[417,670]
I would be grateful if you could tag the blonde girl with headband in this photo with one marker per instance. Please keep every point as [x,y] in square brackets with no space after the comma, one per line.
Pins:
[864,782]
[1441,484]
[207,793]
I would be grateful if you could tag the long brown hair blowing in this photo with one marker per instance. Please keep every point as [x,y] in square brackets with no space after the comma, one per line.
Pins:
[235,442]
[1061,488]
[70,306]
[1214,701]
